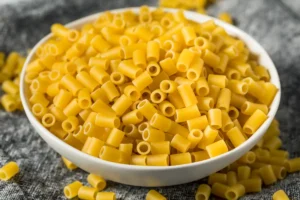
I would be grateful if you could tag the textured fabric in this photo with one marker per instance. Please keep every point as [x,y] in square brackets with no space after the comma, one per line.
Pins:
[273,23]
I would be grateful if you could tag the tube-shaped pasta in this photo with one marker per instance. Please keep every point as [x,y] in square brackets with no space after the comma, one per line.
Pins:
[158,160]
[153,68]
[106,195]
[9,170]
[227,123]
[121,104]
[216,148]
[110,90]
[70,124]
[217,178]
[293,165]
[10,87]
[189,35]
[72,189]
[127,68]
[198,123]
[39,110]
[238,87]
[180,159]
[146,109]
[217,80]
[211,59]
[113,155]
[168,86]
[280,195]
[153,135]
[199,156]
[85,192]
[168,66]
[100,44]
[235,192]
[235,136]
[237,100]
[231,178]
[132,92]
[209,136]
[267,175]
[195,137]
[279,153]
[184,61]
[133,117]
[233,112]
[107,120]
[180,143]
[279,171]
[187,113]
[126,148]
[270,92]
[248,108]
[131,131]
[72,109]
[96,181]
[254,122]
[98,63]
[161,122]
[202,88]
[243,173]
[143,148]
[160,147]
[99,74]
[273,143]
[187,95]
[142,126]
[154,195]
[205,103]
[138,160]
[142,81]
[224,99]
[219,189]
[48,120]
[62,99]
[167,109]
[84,99]
[157,80]
[215,118]
[195,70]
[152,51]
[139,58]
[252,185]
[71,84]
[176,100]
[248,158]
[158,96]
[203,192]
[115,137]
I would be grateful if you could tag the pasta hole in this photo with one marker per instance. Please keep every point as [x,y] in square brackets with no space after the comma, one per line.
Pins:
[169,110]
[67,192]
[134,95]
[77,130]
[165,86]
[200,196]
[231,195]
[203,91]
[244,88]
[251,157]
[192,75]
[87,128]
[248,130]
[139,116]
[166,22]
[67,126]
[227,127]
[142,127]
[73,35]
[49,120]
[52,50]
[116,77]
[153,70]
[144,148]
[247,80]
[232,113]
[145,18]
[146,134]
[35,85]
[141,104]
[84,103]
[157,97]
[168,45]
[119,23]
[181,67]
[197,133]
[124,41]
[283,173]
[235,75]
[146,95]
[2,175]
[128,128]
[170,54]
[54,75]
[199,42]
[101,185]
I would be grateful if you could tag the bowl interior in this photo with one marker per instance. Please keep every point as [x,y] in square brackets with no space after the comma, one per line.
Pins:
[69,151]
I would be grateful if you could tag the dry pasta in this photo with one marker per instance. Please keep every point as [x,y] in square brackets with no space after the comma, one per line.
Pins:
[165,93]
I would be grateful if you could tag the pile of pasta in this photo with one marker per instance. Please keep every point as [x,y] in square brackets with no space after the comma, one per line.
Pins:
[148,89]
[10,69]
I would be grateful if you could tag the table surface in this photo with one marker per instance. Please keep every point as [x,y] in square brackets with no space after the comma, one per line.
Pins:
[273,23]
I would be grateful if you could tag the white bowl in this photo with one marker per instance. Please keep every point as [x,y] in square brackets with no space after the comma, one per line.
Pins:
[156,176]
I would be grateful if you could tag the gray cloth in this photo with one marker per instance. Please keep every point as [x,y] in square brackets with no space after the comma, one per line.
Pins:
[274,23]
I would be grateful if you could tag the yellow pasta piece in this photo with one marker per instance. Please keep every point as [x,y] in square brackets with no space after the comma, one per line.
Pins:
[293,165]
[138,160]
[216,148]
[72,189]
[85,192]
[153,135]
[9,170]
[180,159]
[96,181]
[209,136]
[180,143]
[203,192]
[154,195]
[217,178]
[235,191]
[184,61]
[252,185]
[187,113]
[199,156]
[198,123]
[236,137]
[280,195]
[254,122]
[267,175]
[106,196]
[219,189]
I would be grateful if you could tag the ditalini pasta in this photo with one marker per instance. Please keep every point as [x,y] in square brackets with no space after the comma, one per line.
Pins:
[150,89]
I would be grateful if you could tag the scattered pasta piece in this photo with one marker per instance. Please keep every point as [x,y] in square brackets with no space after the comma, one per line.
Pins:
[8,171]
[72,189]
[280,195]
[69,164]
[154,195]
[226,17]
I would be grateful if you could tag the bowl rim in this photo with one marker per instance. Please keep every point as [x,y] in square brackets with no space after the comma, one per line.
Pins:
[37,125]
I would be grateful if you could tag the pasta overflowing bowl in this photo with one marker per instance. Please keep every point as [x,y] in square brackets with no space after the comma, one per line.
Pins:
[182,169]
